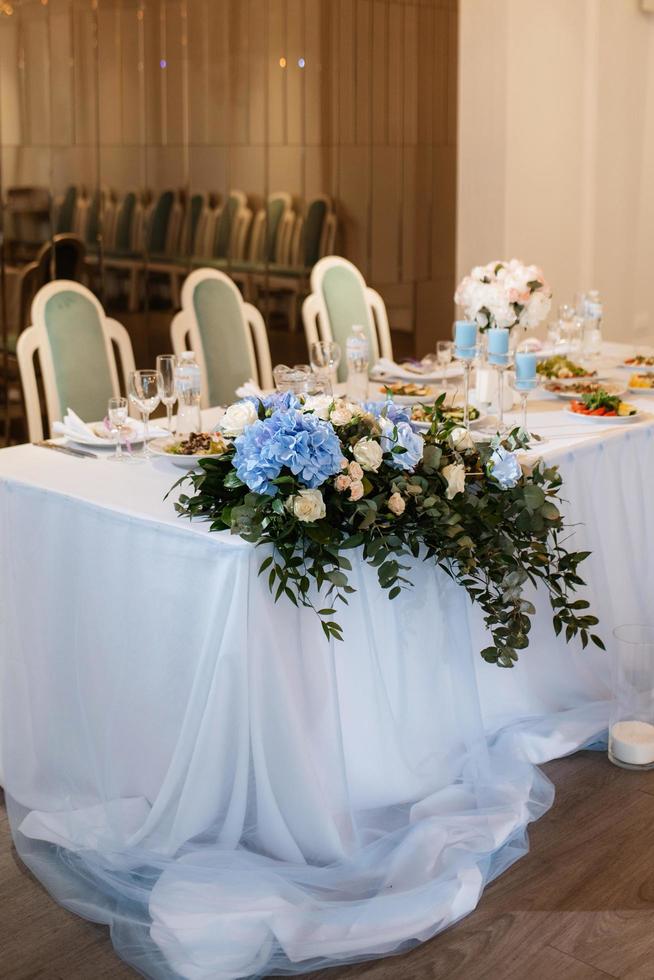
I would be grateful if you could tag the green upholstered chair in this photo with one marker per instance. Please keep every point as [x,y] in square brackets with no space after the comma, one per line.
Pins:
[339,299]
[228,336]
[74,340]
[65,216]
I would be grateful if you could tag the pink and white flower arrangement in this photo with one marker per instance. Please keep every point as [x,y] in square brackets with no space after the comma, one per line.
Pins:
[504,294]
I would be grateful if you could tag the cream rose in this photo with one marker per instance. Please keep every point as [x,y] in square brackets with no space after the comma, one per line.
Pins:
[237,418]
[396,504]
[368,454]
[356,490]
[341,414]
[355,471]
[460,439]
[455,474]
[342,482]
[308,506]
[319,405]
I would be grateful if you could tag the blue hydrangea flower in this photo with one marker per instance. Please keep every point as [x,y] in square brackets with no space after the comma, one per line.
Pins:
[299,441]
[403,435]
[396,413]
[279,401]
[504,467]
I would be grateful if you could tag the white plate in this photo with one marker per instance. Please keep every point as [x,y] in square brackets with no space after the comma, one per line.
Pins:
[157,448]
[611,388]
[635,368]
[640,391]
[107,443]
[606,419]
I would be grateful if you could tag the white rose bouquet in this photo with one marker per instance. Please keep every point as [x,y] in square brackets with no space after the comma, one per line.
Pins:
[312,478]
[504,294]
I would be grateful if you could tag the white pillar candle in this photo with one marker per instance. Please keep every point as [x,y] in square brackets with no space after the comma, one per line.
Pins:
[633,742]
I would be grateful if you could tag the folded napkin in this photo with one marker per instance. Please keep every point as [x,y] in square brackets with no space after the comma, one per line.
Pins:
[249,388]
[75,429]
[387,369]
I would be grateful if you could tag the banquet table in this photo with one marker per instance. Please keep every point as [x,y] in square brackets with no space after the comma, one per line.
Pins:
[197,767]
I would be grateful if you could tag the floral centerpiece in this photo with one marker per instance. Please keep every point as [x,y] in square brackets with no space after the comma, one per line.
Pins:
[504,294]
[315,478]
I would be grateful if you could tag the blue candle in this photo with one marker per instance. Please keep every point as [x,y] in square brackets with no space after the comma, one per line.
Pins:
[525,366]
[498,345]
[465,340]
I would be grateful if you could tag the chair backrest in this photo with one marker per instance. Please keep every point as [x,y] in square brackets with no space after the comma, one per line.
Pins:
[160,226]
[123,235]
[228,336]
[273,229]
[65,220]
[74,342]
[318,219]
[194,224]
[339,299]
[232,226]
[62,258]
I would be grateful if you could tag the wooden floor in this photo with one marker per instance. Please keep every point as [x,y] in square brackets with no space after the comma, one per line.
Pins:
[580,906]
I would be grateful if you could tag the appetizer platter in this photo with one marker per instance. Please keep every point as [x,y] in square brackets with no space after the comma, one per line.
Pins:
[642,384]
[408,392]
[638,360]
[560,368]
[421,415]
[603,407]
[188,452]
[575,389]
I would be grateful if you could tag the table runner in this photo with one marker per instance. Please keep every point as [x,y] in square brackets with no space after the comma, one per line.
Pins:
[233,795]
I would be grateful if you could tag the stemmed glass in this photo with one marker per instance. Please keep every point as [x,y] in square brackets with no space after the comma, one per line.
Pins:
[117,415]
[444,353]
[325,356]
[144,394]
[167,388]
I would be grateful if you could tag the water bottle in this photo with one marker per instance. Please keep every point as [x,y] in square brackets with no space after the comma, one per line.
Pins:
[357,355]
[593,313]
[187,383]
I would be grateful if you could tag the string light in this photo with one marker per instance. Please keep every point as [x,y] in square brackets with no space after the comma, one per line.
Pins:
[282,62]
[301,62]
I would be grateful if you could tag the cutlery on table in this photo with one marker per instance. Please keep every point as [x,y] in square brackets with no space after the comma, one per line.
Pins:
[65,449]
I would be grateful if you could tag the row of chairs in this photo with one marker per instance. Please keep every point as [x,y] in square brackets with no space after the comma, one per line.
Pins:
[74,340]
[270,249]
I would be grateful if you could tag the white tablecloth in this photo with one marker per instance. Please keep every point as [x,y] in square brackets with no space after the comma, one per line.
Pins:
[197,767]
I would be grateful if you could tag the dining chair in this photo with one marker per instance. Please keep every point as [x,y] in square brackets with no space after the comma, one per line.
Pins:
[228,336]
[340,298]
[74,341]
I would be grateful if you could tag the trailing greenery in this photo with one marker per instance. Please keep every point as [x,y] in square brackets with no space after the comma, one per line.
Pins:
[466,506]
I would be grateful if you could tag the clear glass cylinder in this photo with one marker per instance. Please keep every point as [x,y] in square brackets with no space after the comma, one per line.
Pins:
[631,725]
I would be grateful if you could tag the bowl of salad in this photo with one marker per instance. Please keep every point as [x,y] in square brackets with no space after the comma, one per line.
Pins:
[561,368]
[600,406]
[188,452]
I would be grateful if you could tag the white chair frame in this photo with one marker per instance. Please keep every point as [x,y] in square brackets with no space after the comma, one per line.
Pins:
[185,333]
[316,319]
[34,340]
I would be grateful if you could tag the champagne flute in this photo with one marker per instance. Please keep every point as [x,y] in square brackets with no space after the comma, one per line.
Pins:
[117,415]
[167,390]
[144,394]
[325,356]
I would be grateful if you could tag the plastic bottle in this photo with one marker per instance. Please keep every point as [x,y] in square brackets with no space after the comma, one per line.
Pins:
[357,355]
[188,384]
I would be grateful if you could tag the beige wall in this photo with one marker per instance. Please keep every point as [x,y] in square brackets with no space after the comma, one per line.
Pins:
[556,147]
[370,119]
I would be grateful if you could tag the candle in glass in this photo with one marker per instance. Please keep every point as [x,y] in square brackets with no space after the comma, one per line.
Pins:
[498,356]
[465,349]
[526,380]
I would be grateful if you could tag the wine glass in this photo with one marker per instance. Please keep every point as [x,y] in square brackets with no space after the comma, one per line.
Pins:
[167,390]
[144,394]
[444,354]
[325,356]
[117,415]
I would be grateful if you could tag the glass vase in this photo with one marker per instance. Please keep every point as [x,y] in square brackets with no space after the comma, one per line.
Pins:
[631,725]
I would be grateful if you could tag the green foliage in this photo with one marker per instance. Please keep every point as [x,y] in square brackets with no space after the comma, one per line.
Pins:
[495,542]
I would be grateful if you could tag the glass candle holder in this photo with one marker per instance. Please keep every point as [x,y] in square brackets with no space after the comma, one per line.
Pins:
[465,350]
[631,726]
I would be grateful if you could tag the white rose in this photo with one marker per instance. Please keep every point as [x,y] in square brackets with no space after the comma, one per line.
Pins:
[341,414]
[238,417]
[455,474]
[369,454]
[308,505]
[537,308]
[319,405]
[461,439]
[396,503]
